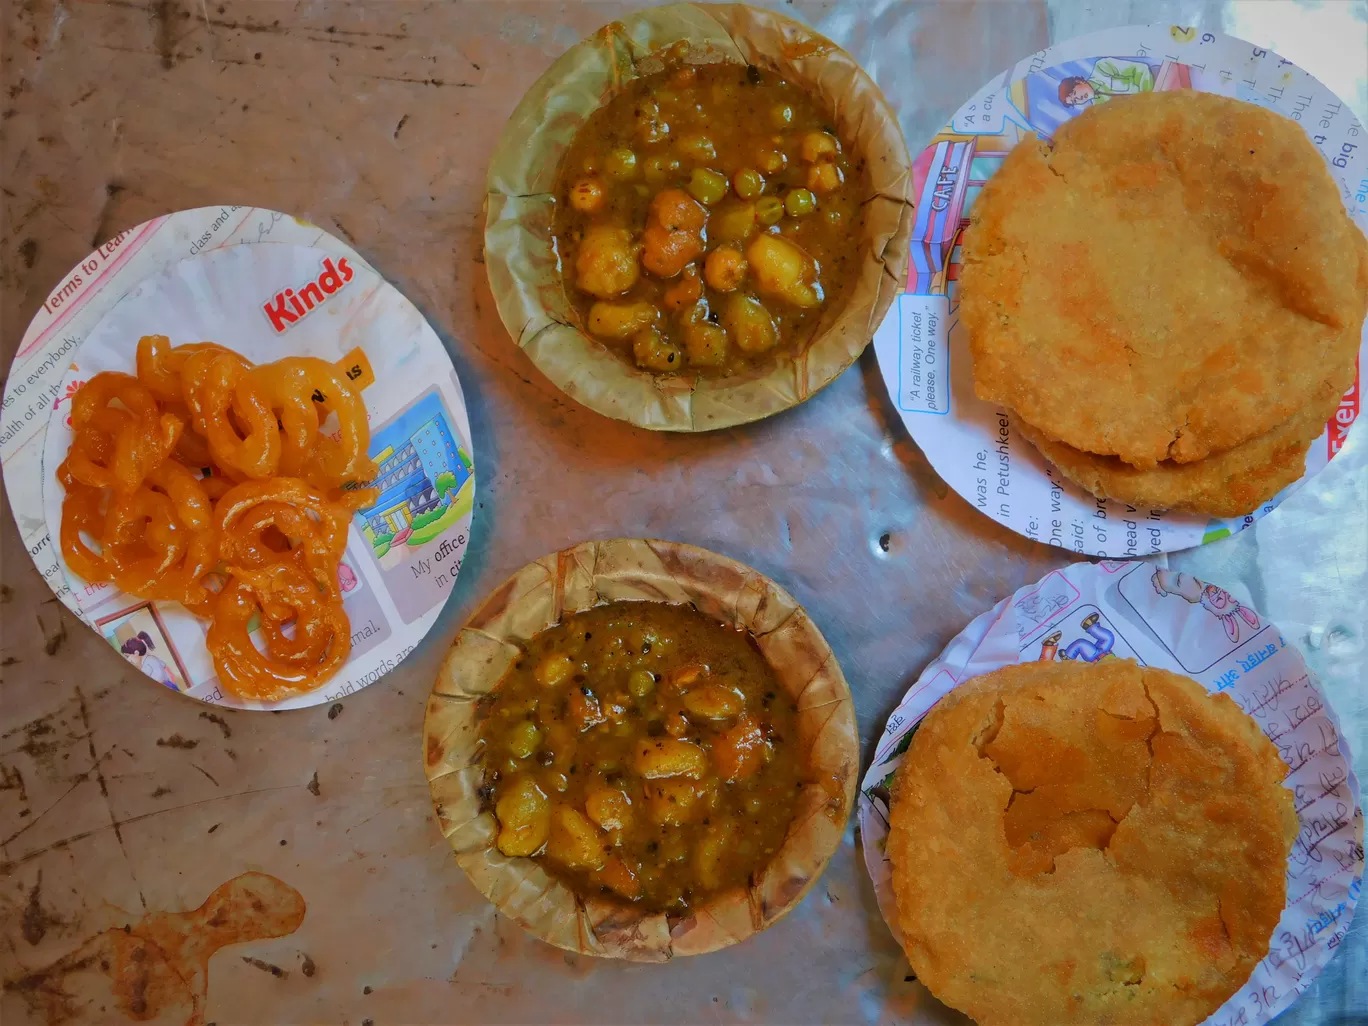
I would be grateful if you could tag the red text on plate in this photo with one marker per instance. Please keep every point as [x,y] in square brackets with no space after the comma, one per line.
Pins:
[1343,418]
[288,306]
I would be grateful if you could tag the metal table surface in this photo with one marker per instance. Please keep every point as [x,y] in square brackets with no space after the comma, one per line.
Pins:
[375,120]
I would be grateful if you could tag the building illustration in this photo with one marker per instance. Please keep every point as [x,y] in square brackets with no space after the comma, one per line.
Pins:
[422,468]
[948,176]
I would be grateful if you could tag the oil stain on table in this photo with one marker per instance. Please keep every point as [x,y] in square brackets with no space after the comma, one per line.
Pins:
[157,969]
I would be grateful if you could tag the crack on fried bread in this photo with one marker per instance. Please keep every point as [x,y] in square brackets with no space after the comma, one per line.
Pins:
[1149,741]
[1227,933]
[989,731]
[1178,433]
[1058,831]
[1050,166]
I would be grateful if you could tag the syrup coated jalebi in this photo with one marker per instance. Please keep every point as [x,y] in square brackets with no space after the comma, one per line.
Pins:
[255,451]
[287,508]
[324,462]
[280,593]
[122,444]
[208,481]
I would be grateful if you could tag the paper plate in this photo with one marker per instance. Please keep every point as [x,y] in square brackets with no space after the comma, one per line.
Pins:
[404,552]
[640,570]
[923,354]
[1172,621]
[525,270]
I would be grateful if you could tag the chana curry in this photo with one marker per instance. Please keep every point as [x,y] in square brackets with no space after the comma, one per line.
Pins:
[642,751]
[706,219]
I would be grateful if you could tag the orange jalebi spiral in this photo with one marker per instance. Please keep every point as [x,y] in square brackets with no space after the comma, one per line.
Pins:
[289,598]
[90,460]
[281,593]
[315,528]
[81,514]
[194,372]
[122,444]
[160,365]
[205,469]
[292,401]
[185,582]
[332,463]
[193,505]
[229,387]
[143,541]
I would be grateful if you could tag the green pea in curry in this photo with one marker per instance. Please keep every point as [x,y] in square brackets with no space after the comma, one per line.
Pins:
[642,751]
[706,218]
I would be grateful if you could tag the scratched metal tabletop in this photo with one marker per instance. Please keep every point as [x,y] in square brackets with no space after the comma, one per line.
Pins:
[376,121]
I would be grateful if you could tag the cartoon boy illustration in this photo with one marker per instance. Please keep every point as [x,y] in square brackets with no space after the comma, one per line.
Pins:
[1089,651]
[1216,601]
[1111,76]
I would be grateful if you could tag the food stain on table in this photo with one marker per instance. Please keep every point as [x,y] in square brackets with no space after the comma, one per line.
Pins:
[157,968]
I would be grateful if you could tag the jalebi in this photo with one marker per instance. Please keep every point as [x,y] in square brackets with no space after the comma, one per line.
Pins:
[279,594]
[211,482]
[229,394]
[121,444]
[161,366]
[82,514]
[331,463]
[315,528]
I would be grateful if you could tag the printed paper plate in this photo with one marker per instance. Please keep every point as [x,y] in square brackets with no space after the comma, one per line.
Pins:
[403,552]
[923,354]
[1166,619]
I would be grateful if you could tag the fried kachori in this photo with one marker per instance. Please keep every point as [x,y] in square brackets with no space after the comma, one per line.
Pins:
[1087,843]
[1227,484]
[1176,276]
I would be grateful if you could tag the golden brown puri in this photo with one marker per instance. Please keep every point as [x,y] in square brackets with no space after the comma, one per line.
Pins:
[1077,843]
[1175,277]
[1226,484]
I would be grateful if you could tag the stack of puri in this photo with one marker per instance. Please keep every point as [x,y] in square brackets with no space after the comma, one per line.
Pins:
[1169,299]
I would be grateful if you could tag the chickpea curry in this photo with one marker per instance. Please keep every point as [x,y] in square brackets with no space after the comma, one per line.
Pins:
[643,752]
[706,218]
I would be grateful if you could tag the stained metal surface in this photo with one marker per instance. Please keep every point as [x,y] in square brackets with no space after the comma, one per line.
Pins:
[376,121]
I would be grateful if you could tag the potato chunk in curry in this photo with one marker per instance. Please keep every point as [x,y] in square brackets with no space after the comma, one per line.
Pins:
[711,218]
[644,752]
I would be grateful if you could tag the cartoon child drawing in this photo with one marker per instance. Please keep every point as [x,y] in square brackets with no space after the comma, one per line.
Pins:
[346,577]
[1111,76]
[1089,651]
[1216,601]
[138,651]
